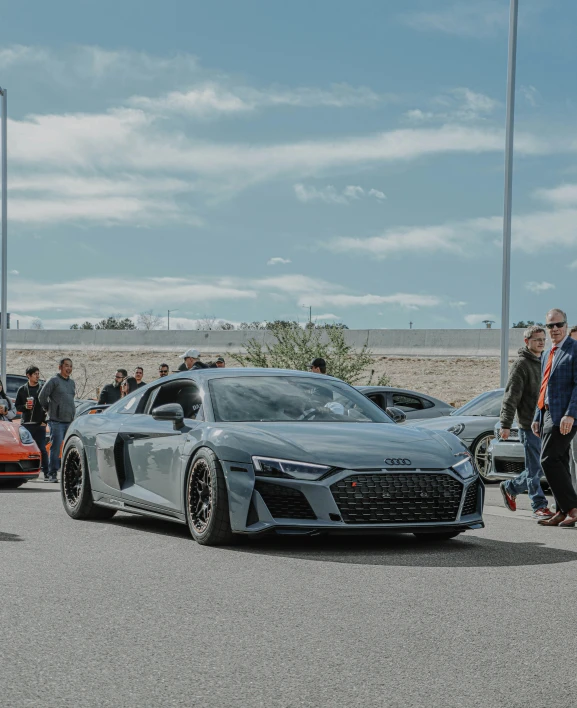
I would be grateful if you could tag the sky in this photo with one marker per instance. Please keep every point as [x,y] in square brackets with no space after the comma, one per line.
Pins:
[245,160]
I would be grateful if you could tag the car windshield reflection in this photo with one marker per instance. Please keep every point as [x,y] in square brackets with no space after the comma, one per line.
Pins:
[290,399]
[487,404]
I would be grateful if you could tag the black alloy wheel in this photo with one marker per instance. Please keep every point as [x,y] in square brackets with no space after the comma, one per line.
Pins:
[72,478]
[75,485]
[207,510]
[200,495]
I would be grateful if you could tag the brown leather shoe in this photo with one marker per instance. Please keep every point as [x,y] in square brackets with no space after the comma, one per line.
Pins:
[554,520]
[570,520]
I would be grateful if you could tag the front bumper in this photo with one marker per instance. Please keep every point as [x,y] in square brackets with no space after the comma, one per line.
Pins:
[506,459]
[381,501]
[26,468]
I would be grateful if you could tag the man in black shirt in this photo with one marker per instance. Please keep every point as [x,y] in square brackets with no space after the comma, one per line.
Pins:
[33,415]
[192,361]
[111,392]
[138,374]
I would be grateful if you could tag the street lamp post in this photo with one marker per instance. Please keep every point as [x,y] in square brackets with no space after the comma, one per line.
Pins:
[168,318]
[4,276]
[511,75]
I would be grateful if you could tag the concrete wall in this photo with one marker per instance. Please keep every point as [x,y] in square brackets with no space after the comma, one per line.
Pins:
[384,342]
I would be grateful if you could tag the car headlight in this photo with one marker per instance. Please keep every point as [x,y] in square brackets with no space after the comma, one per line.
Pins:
[456,429]
[271,467]
[25,436]
[465,468]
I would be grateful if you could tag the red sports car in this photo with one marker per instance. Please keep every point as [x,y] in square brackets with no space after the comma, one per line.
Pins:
[19,455]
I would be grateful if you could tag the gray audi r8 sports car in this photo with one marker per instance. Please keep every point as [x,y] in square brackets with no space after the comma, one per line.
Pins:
[250,451]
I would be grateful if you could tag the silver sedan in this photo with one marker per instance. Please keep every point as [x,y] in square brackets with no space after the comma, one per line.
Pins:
[474,424]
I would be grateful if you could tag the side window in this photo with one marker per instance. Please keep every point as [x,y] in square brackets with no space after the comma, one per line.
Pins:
[407,403]
[426,403]
[184,392]
[376,398]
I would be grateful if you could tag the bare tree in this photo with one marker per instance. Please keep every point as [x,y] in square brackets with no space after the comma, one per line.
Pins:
[36,324]
[206,323]
[147,320]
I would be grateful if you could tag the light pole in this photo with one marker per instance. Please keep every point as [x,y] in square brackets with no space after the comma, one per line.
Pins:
[169,311]
[511,75]
[4,278]
[310,309]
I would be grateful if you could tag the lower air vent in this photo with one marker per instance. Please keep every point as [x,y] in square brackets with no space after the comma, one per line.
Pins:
[470,505]
[284,502]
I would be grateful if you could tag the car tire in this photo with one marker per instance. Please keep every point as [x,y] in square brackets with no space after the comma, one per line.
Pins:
[12,483]
[206,501]
[479,449]
[75,485]
[440,536]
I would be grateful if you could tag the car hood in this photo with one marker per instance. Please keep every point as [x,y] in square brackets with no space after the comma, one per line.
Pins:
[345,445]
[449,421]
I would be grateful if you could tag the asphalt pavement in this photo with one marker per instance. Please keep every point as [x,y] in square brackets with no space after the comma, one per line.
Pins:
[131,612]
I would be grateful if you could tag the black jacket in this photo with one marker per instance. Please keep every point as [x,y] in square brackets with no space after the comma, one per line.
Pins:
[110,394]
[522,390]
[37,414]
[197,365]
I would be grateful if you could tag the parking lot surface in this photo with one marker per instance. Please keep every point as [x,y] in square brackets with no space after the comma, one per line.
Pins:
[131,612]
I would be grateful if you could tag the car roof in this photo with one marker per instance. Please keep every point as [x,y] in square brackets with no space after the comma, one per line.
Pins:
[233,372]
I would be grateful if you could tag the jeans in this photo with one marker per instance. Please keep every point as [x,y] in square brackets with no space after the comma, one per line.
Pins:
[38,432]
[57,434]
[573,463]
[530,478]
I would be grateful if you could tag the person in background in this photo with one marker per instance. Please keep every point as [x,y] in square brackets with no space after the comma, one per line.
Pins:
[318,366]
[33,415]
[7,409]
[218,363]
[57,399]
[111,392]
[129,385]
[138,374]
[163,370]
[573,457]
[519,400]
[191,361]
[554,420]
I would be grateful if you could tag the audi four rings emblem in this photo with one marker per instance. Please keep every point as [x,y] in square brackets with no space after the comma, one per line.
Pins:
[397,461]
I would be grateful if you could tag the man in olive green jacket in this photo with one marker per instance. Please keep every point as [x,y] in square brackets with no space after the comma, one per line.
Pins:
[520,399]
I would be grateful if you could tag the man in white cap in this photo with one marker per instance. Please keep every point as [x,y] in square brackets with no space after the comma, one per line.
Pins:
[191,361]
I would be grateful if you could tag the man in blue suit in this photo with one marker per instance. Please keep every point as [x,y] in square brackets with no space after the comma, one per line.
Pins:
[555,417]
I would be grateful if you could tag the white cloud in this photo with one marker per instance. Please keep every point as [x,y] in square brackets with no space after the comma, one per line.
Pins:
[330,195]
[13,272]
[531,233]
[538,288]
[326,316]
[469,19]
[479,319]
[531,95]
[458,105]
[406,300]
[278,261]
[212,98]
[563,195]
[573,264]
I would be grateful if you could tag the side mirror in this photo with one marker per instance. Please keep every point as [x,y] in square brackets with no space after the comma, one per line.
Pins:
[170,411]
[396,414]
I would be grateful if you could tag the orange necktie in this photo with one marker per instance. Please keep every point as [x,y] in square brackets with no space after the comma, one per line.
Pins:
[546,375]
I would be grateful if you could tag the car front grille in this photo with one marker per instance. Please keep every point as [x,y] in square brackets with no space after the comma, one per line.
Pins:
[470,504]
[31,465]
[405,498]
[509,466]
[284,502]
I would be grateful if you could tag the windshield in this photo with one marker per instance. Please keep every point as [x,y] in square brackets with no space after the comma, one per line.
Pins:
[488,404]
[290,398]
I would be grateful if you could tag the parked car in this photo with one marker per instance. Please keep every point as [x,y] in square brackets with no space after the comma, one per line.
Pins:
[507,457]
[253,451]
[19,455]
[474,424]
[13,383]
[414,405]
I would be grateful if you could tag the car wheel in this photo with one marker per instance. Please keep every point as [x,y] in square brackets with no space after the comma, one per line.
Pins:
[207,511]
[75,485]
[12,483]
[440,536]
[480,452]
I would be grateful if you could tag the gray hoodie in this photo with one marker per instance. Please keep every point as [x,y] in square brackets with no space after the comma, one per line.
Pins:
[57,399]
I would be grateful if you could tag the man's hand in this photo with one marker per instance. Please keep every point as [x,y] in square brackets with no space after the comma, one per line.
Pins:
[505,432]
[566,424]
[535,428]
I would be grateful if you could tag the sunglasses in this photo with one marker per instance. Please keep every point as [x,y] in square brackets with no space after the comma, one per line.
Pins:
[119,377]
[559,325]
[163,371]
